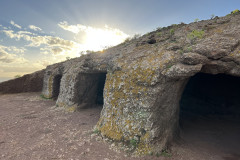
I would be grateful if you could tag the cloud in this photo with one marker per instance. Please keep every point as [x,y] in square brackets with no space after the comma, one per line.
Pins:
[25,32]
[6,57]
[51,41]
[49,49]
[15,25]
[35,28]
[72,28]
[15,49]
[55,48]
[96,38]
[8,54]
[16,68]
[17,36]
[12,63]
[36,40]
[10,34]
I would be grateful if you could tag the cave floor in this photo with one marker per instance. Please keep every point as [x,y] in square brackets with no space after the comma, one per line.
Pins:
[212,137]
[33,128]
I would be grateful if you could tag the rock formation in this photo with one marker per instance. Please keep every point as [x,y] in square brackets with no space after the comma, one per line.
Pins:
[145,78]
[27,83]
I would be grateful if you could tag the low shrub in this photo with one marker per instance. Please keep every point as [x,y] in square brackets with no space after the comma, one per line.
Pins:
[195,34]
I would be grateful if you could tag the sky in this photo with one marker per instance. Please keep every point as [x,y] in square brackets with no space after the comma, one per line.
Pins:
[34,34]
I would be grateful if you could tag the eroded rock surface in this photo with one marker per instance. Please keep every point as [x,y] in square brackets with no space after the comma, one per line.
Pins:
[145,78]
[27,83]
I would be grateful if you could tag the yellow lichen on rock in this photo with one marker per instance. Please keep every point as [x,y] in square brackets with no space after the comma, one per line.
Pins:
[111,130]
[143,149]
[50,87]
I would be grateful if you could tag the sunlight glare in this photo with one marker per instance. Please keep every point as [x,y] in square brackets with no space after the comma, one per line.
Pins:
[98,39]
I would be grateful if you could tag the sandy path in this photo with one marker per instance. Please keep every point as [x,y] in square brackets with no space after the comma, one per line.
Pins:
[32,128]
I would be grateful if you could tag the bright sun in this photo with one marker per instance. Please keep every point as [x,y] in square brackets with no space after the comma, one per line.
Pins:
[97,39]
[90,38]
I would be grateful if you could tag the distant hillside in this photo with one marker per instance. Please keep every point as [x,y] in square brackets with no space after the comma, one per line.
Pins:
[27,83]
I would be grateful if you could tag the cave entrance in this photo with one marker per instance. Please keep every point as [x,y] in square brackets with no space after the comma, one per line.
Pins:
[56,86]
[100,88]
[90,90]
[210,113]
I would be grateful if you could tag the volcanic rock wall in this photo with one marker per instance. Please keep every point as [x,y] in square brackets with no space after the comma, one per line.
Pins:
[27,83]
[145,78]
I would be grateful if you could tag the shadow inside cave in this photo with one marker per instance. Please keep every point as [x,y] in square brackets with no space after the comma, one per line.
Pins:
[210,114]
[90,90]
[56,86]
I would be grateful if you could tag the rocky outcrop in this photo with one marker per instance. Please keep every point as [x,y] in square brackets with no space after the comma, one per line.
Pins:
[27,83]
[145,78]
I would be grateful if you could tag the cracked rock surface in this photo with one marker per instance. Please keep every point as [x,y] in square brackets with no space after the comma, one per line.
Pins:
[145,78]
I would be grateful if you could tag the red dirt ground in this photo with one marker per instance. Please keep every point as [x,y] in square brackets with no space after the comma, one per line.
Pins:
[32,128]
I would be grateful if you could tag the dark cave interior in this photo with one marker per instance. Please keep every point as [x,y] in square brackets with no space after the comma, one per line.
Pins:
[100,88]
[56,86]
[211,95]
[210,114]
[90,89]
